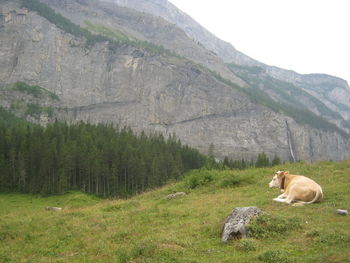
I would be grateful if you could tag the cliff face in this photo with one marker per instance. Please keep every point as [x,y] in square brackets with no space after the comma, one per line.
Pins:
[171,13]
[129,85]
[142,26]
[332,91]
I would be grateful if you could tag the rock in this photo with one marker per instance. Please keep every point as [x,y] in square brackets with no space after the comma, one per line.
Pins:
[234,226]
[171,196]
[342,212]
[51,208]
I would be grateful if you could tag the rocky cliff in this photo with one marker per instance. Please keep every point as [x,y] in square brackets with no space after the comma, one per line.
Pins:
[137,25]
[166,10]
[126,84]
[332,91]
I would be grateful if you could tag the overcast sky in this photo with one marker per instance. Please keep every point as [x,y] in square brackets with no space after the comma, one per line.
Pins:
[307,36]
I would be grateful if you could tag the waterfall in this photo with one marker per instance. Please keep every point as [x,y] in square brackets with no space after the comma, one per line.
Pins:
[290,145]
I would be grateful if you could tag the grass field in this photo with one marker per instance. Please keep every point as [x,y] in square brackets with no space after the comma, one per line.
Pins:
[148,228]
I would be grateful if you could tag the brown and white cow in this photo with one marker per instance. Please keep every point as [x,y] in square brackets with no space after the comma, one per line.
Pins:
[298,189]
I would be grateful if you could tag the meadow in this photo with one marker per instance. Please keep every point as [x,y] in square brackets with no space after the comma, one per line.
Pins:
[149,228]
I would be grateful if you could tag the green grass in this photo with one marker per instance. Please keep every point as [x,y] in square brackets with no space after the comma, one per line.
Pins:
[108,32]
[148,228]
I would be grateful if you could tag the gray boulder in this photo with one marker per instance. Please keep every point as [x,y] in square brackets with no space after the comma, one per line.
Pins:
[235,223]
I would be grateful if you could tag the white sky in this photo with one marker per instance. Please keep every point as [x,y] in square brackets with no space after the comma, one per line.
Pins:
[307,36]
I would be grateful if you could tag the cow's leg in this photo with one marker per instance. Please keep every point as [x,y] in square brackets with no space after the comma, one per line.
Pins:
[282,196]
[279,200]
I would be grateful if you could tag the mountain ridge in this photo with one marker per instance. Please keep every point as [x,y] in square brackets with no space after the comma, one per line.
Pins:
[229,54]
[131,86]
[179,44]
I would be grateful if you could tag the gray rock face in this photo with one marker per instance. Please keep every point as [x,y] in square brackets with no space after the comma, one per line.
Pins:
[234,226]
[169,12]
[131,86]
[143,26]
[332,91]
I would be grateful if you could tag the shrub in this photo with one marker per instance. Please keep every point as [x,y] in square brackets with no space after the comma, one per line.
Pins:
[229,181]
[232,179]
[275,256]
[266,225]
[313,234]
[5,235]
[145,249]
[246,245]
[226,178]
[335,239]
[198,178]
[122,256]
[122,206]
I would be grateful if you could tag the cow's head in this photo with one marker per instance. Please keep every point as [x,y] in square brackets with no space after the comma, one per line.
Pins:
[277,179]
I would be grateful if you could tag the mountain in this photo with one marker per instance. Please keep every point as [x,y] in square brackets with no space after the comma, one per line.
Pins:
[166,10]
[102,62]
[332,91]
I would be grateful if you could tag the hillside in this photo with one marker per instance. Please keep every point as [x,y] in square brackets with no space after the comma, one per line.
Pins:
[294,96]
[148,228]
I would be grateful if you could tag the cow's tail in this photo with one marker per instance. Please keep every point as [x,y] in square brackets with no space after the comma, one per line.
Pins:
[318,197]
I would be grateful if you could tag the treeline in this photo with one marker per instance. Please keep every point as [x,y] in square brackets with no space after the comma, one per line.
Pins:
[97,159]
[261,161]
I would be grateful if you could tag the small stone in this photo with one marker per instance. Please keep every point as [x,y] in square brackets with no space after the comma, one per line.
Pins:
[342,212]
[171,196]
[51,208]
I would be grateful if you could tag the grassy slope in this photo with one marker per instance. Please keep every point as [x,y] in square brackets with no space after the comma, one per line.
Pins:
[148,228]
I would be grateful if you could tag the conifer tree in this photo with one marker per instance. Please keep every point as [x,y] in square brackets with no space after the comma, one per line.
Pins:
[262,160]
[98,159]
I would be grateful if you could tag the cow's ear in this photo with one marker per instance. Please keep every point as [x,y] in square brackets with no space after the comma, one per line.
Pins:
[280,174]
[286,173]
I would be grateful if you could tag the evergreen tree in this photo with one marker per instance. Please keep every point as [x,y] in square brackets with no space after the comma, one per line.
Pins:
[98,159]
[211,152]
[227,163]
[276,161]
[262,160]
